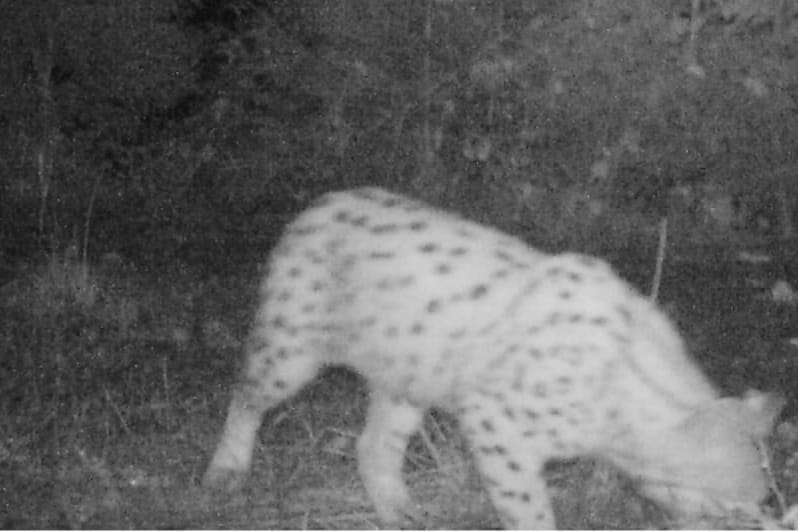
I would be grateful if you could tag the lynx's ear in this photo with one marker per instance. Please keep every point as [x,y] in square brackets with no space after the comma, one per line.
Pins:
[763,410]
[746,418]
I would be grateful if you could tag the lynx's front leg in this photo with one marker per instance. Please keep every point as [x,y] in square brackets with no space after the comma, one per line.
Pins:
[510,457]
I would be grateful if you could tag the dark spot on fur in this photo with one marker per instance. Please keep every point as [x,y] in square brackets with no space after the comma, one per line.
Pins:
[489,481]
[507,494]
[487,425]
[574,358]
[314,257]
[360,221]
[297,230]
[295,272]
[525,497]
[535,353]
[381,255]
[392,331]
[417,328]
[531,414]
[279,322]
[458,251]
[316,286]
[504,256]
[308,308]
[574,277]
[457,334]
[434,306]
[442,268]
[500,274]
[565,295]
[279,384]
[555,412]
[625,314]
[620,338]
[282,354]
[496,396]
[478,291]
[558,271]
[508,413]
[512,465]
[540,390]
[418,226]
[554,318]
[384,228]
[348,261]
[529,434]
[341,216]
[283,296]
[599,321]
[370,193]
[392,202]
[406,281]
[429,247]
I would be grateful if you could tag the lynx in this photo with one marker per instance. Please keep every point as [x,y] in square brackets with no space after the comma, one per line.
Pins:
[539,356]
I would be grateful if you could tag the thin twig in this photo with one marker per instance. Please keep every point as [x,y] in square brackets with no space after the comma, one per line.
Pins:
[116,411]
[663,239]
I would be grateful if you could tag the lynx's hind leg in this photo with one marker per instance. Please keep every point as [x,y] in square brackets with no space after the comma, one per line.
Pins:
[381,451]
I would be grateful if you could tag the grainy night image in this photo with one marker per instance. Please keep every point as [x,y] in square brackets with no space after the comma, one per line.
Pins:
[357,264]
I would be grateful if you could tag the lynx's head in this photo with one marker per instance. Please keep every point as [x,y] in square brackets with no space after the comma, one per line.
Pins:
[714,461]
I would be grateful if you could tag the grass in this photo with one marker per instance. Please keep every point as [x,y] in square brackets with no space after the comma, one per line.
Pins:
[113,387]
